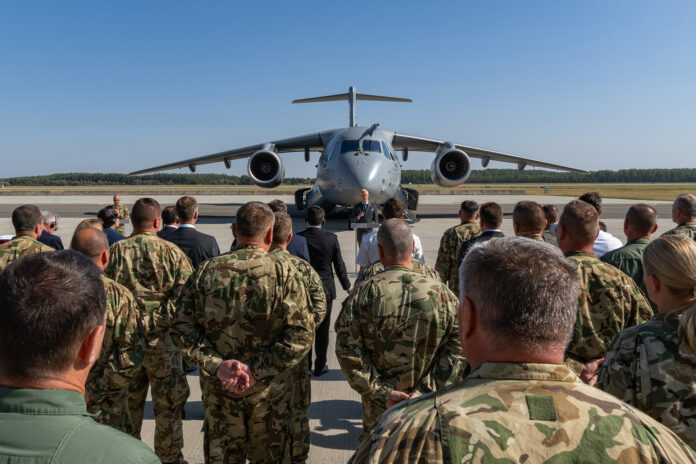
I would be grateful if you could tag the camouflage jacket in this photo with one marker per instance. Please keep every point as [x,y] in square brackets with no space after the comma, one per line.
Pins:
[19,246]
[245,305]
[609,301]
[549,237]
[122,214]
[317,295]
[648,367]
[514,413]
[452,239]
[688,230]
[416,265]
[155,271]
[399,331]
[123,348]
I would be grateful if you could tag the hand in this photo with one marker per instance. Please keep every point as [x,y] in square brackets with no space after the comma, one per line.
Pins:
[350,290]
[590,372]
[235,376]
[396,397]
[361,214]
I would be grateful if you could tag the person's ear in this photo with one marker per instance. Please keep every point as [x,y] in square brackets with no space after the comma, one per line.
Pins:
[468,320]
[625,226]
[380,251]
[195,215]
[289,238]
[38,229]
[91,345]
[515,227]
[269,235]
[652,283]
[234,230]
[104,258]
[654,228]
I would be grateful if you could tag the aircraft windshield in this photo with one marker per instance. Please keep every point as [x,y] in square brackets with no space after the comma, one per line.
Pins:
[349,145]
[387,153]
[372,145]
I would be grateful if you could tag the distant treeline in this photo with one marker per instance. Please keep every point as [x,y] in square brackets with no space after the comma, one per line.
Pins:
[486,176]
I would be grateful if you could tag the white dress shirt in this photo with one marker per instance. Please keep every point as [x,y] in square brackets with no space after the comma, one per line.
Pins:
[368,254]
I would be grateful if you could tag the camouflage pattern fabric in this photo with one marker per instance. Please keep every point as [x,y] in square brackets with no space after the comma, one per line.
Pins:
[648,367]
[399,330]
[516,413]
[246,305]
[19,246]
[416,265]
[608,302]
[687,230]
[549,237]
[155,271]
[122,214]
[122,353]
[452,239]
[302,395]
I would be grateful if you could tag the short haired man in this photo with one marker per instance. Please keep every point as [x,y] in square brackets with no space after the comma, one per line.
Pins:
[197,245]
[609,300]
[519,403]
[605,241]
[325,254]
[298,244]
[639,225]
[684,215]
[302,395]
[528,220]
[170,222]
[490,220]
[396,335]
[109,217]
[452,240]
[52,310]
[549,234]
[50,225]
[364,212]
[155,271]
[123,215]
[368,254]
[123,348]
[28,224]
[244,317]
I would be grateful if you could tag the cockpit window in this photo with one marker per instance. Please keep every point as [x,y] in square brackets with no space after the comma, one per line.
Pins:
[387,154]
[349,145]
[372,145]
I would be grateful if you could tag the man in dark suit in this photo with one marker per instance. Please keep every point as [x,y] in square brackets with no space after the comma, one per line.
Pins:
[196,245]
[170,222]
[490,218]
[364,212]
[50,225]
[324,252]
[298,244]
[110,218]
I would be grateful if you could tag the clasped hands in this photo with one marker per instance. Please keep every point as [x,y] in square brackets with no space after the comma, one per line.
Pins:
[235,376]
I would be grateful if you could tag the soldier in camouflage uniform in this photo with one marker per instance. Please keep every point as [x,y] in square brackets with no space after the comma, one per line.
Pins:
[245,318]
[519,403]
[123,214]
[653,366]
[302,396]
[123,348]
[528,220]
[684,214]
[452,239]
[609,300]
[396,335]
[416,265]
[28,224]
[155,271]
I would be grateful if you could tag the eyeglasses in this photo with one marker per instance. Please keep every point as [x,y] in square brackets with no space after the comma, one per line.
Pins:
[54,225]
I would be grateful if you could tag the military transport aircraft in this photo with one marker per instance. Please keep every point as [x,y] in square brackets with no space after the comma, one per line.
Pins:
[356,158]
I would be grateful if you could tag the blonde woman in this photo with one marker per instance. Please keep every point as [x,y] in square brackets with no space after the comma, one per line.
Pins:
[652,366]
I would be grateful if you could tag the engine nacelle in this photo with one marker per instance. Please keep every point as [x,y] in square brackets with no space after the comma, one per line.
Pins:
[450,167]
[265,169]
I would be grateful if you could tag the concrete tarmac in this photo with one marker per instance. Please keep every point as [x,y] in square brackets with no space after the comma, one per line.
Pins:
[335,412]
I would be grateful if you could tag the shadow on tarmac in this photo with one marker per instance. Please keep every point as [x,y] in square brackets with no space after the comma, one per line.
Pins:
[336,415]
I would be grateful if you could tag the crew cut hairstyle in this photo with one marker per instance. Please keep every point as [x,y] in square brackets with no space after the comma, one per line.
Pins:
[169,215]
[278,206]
[642,218]
[314,215]
[108,216]
[469,208]
[186,207]
[491,214]
[551,213]
[144,212]
[580,221]
[395,238]
[282,228]
[49,303]
[686,203]
[26,217]
[594,199]
[529,217]
[525,292]
[253,219]
[393,208]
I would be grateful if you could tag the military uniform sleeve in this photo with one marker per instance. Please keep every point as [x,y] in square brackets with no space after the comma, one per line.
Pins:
[356,361]
[317,296]
[621,370]
[181,270]
[641,311]
[442,263]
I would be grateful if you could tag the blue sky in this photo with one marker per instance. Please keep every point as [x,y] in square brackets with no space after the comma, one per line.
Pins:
[120,86]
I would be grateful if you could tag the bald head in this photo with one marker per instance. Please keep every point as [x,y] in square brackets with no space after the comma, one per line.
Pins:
[396,240]
[91,243]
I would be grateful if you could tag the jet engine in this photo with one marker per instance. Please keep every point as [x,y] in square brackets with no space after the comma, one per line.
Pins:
[265,169]
[450,167]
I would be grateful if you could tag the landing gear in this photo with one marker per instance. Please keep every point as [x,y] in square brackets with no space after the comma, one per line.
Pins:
[301,198]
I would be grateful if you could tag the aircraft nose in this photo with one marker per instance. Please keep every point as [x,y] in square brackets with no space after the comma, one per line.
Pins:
[360,172]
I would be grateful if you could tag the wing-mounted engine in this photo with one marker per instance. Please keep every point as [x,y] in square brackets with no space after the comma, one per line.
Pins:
[450,167]
[265,168]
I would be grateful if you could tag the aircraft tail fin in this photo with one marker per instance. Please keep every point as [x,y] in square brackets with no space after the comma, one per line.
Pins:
[352,96]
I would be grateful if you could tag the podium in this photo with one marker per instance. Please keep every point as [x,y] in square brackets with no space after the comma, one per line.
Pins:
[361,225]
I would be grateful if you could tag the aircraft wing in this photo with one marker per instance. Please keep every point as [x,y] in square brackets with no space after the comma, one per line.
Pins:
[312,142]
[415,143]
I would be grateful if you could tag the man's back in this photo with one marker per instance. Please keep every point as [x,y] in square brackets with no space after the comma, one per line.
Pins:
[376,268]
[515,412]
[688,230]
[196,245]
[629,260]
[324,251]
[19,246]
[53,426]
[450,243]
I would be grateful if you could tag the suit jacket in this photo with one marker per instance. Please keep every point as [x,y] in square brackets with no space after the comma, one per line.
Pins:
[51,240]
[112,236]
[166,231]
[371,213]
[298,247]
[484,237]
[324,251]
[196,245]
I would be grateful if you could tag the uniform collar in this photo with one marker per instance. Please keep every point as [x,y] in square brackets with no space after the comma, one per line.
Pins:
[639,241]
[523,371]
[586,254]
[51,402]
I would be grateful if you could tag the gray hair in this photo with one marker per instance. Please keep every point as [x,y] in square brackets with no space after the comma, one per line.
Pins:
[395,238]
[524,290]
[48,216]
[686,203]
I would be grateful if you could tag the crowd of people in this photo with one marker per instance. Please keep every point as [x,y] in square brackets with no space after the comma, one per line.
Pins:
[559,343]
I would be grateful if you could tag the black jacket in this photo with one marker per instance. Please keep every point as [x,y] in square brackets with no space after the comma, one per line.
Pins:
[51,240]
[166,231]
[371,213]
[323,252]
[196,245]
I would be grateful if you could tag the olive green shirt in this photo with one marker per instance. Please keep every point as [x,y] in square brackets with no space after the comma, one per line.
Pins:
[53,426]
[629,260]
